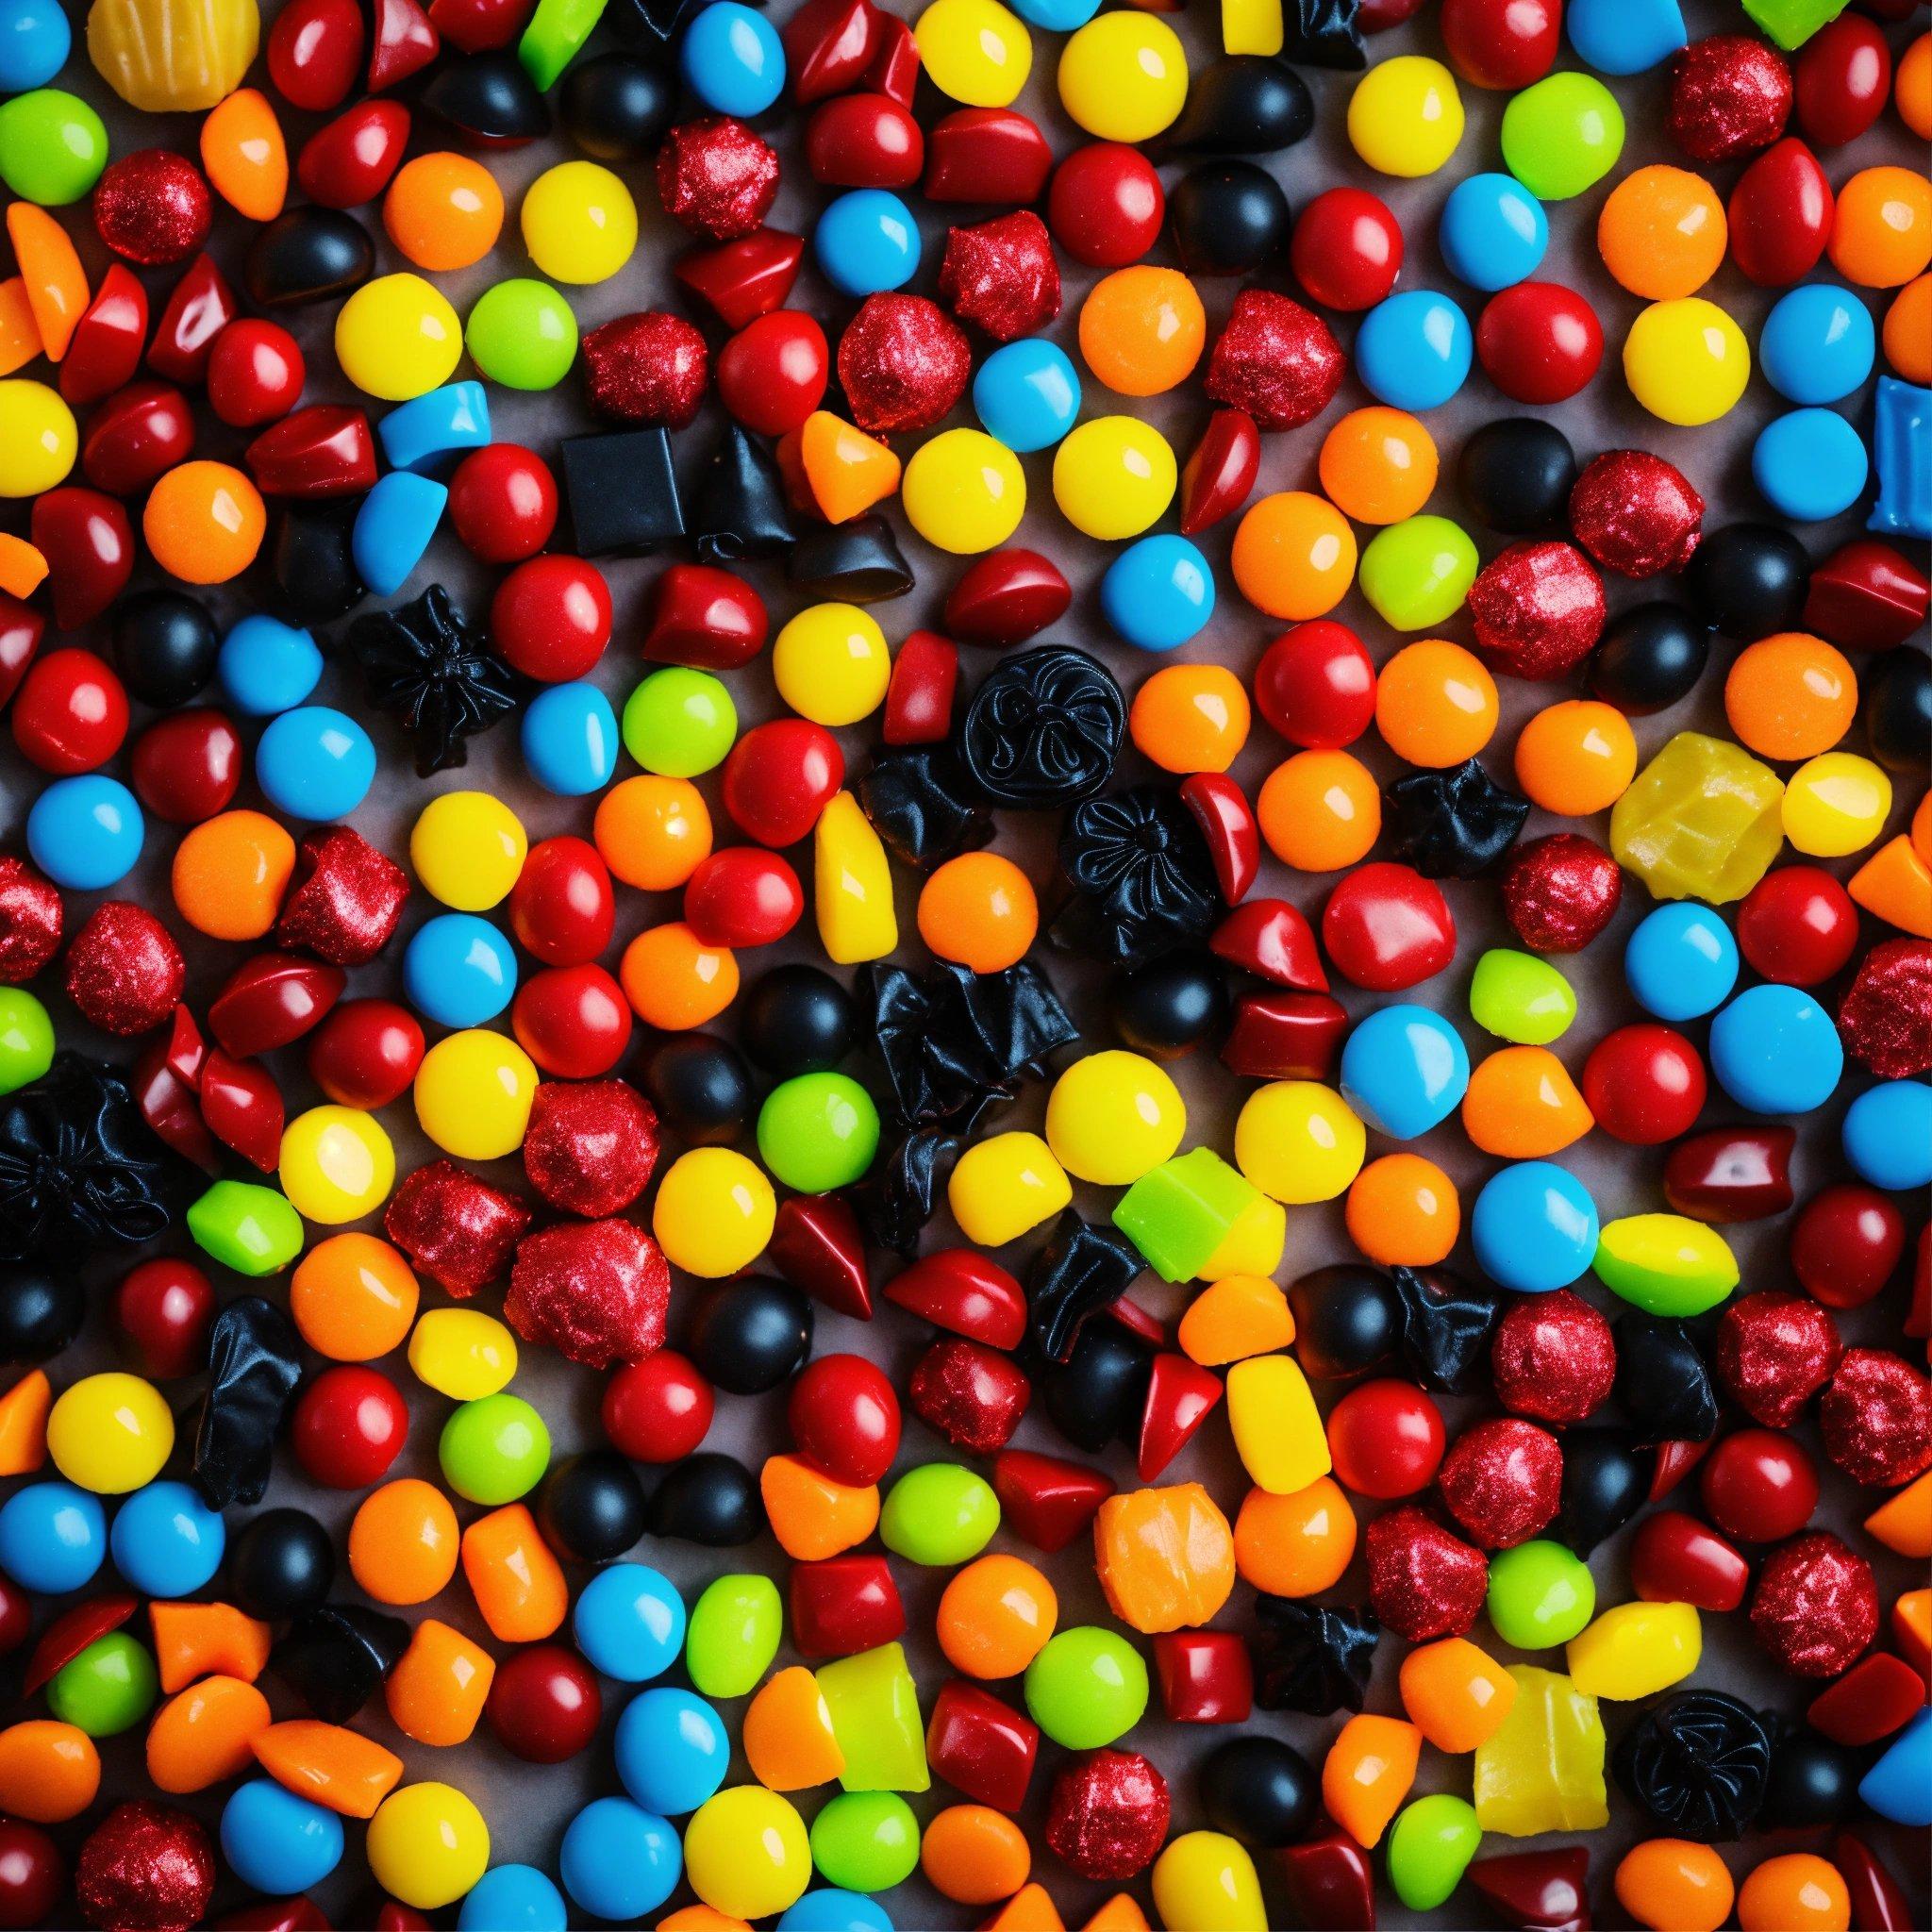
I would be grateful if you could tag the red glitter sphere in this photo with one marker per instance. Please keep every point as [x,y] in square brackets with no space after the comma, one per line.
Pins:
[30,921]
[597,1291]
[716,177]
[591,1145]
[1501,1480]
[455,1229]
[903,363]
[1636,514]
[971,1395]
[1108,1815]
[145,1868]
[1885,1019]
[1553,1357]
[1775,1352]
[1730,94]
[1815,1606]
[1876,1419]
[345,899]
[1538,608]
[1276,361]
[1000,275]
[124,969]
[649,368]
[153,208]
[1424,1583]
[1559,891]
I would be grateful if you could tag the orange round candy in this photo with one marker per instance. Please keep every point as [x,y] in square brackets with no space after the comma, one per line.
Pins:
[1907,334]
[1191,718]
[978,910]
[1790,696]
[1142,330]
[230,872]
[204,521]
[1319,810]
[1881,230]
[1294,554]
[403,1542]
[995,1617]
[1674,1885]
[1797,1891]
[653,832]
[1576,757]
[444,211]
[1297,1544]
[974,1855]
[1662,233]
[1435,704]
[1912,87]
[673,981]
[49,1772]
[1378,465]
[352,1297]
[1403,1212]
[205,1735]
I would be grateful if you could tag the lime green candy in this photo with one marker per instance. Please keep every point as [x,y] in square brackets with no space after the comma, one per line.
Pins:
[1087,1688]
[1178,1213]
[939,1515]
[733,1634]
[557,30]
[53,146]
[818,1131]
[1665,1264]
[106,1689]
[494,1450]
[27,1039]
[1562,135]
[875,1722]
[1430,1845]
[522,334]
[1541,1595]
[1417,573]
[1521,998]
[246,1227]
[865,1841]
[679,722]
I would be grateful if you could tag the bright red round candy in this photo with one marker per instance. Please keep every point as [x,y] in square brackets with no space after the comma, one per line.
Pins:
[863,141]
[844,1414]
[1797,926]
[659,1409]
[1540,343]
[780,777]
[1386,927]
[365,1053]
[1501,44]
[315,52]
[1676,1559]
[33,1874]
[1106,204]
[772,375]
[1386,1440]
[1842,78]
[544,1705]
[187,767]
[348,1425]
[1346,249]
[1759,1486]
[350,162]
[563,909]
[573,1021]
[503,503]
[550,618]
[164,1307]
[255,373]
[742,896]
[69,714]
[1845,1243]
[1316,686]
[1645,1084]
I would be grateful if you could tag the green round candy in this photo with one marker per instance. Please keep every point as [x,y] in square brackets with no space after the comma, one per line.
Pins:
[865,1841]
[1562,135]
[1087,1688]
[733,1634]
[1521,998]
[108,1688]
[494,1450]
[27,1039]
[1417,573]
[52,146]
[1541,1595]
[679,722]
[246,1227]
[939,1514]
[1430,1845]
[522,334]
[818,1132]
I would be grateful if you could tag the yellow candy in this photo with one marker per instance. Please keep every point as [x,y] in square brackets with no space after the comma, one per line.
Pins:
[468,848]
[1124,76]
[1635,1650]
[1005,1186]
[1114,476]
[1543,1770]
[962,490]
[1686,361]
[462,1352]
[1298,1142]
[580,223]
[1205,1882]
[1405,117]
[1252,27]
[337,1164]
[831,665]
[1113,1116]
[975,51]
[398,337]
[1701,821]
[473,1094]
[110,1433]
[1278,1429]
[713,1212]
[172,57]
[746,1853]
[1253,1245]
[38,439]
[428,1846]
[852,885]
[1836,803]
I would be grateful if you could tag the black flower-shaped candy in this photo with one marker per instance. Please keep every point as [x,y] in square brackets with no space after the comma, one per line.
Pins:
[1143,875]
[1043,728]
[1698,1763]
[435,674]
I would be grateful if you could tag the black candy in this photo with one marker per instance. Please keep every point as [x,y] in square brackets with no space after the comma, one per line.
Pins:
[1323,33]
[280,1564]
[1043,728]
[1260,1790]
[797,1019]
[335,1657]
[1813,1782]
[751,1334]
[592,1506]
[435,674]
[1097,1395]
[1347,1320]
[1446,1326]
[1312,1660]
[40,1314]
[1243,104]
[700,1086]
[858,561]
[1664,1382]
[617,107]
[897,1197]
[710,1499]
[312,563]
[1698,1762]
[924,806]
[1749,580]
[307,254]
[1516,476]
[487,101]
[737,507]
[1649,658]
[164,646]
[254,1361]
[1081,1270]
[1169,1006]
[1452,824]
[1898,711]
[622,492]
[1228,218]
[1605,1481]
[1143,880]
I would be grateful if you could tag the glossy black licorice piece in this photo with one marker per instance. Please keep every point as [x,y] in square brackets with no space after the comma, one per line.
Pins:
[280,1563]
[1649,658]
[752,1334]
[1698,1763]
[1446,1325]
[163,644]
[1898,710]
[1347,1320]
[1323,33]
[1143,878]
[796,1019]
[1452,824]
[1170,1006]
[1813,1782]
[1044,729]
[307,254]
[736,507]
[435,674]
[855,562]
[592,1506]
[1243,104]
[649,23]
[1081,1270]
[40,1312]
[487,101]
[1516,476]
[1258,1789]
[1096,1395]
[1229,217]
[311,561]
[1605,1481]
[617,107]
[698,1083]
[1749,580]
[335,1657]
[622,492]
[924,806]
[254,1362]
[709,1498]
[900,1192]
[1663,1381]
[1312,1660]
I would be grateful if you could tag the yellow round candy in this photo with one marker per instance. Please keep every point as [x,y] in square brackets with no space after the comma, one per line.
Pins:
[831,665]
[462,1352]
[1836,805]
[962,490]
[468,848]
[713,1212]
[1686,361]
[1205,1881]
[1298,1142]
[38,439]
[746,1853]
[975,51]
[337,1164]
[473,1094]
[110,1433]
[1405,117]
[1005,1186]
[580,223]
[1113,1117]
[1124,76]
[428,1846]
[398,337]
[1114,476]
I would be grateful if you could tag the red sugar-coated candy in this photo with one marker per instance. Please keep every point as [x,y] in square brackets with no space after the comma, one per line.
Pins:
[1047,1500]
[550,618]
[1272,939]
[152,207]
[255,373]
[1106,204]
[345,899]
[1815,1606]
[1275,359]
[771,374]
[1842,79]
[1872,1700]
[1552,1357]
[1847,1242]
[1877,1418]
[1865,596]
[1219,474]
[844,1604]
[818,1245]
[503,503]
[778,779]
[1779,216]
[124,969]
[134,435]
[1386,927]
[962,1291]
[717,179]
[743,279]
[366,1053]
[1676,1559]
[573,1021]
[1107,1815]
[1539,342]
[1797,926]
[563,909]
[1504,44]
[200,305]
[843,1415]
[1346,250]
[544,1704]
[1538,608]
[1636,514]
[1501,1481]
[657,1411]
[347,1427]
[648,368]
[903,364]
[351,161]
[591,1145]
[1730,96]
[164,1307]
[105,349]
[980,1745]
[1645,1084]
[314,53]
[1775,1352]
[596,1291]
[30,921]
[187,766]
[1386,1438]
[69,714]
[971,1395]
[145,1868]
[1206,1677]
[993,155]
[1559,891]
[1315,685]
[1000,275]
[864,140]
[1006,597]
[1730,1174]
[1759,1486]
[454,1228]
[1424,1583]
[1885,1018]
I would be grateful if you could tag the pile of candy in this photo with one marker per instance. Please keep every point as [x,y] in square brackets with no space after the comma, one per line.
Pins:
[1460,1504]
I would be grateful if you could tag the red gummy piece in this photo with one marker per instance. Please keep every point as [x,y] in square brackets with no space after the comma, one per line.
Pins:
[744,279]
[961,1290]
[1536,1892]
[314,48]
[1181,1396]
[921,691]
[479,26]
[1865,596]
[864,140]
[818,1245]
[134,435]
[71,1632]
[1501,1480]
[981,1746]
[199,307]
[1872,1700]
[828,45]
[842,1606]
[986,154]
[591,1145]
[1276,360]
[1552,1357]
[1220,808]
[706,616]
[1424,1583]
[454,1228]
[404,43]
[1674,1461]
[1386,927]
[1878,1901]
[1217,477]
[351,161]
[1885,1018]
[1559,891]
[104,350]
[1728,1174]
[1636,514]
[894,68]
[1877,1418]
[1206,1677]
[1045,1500]
[971,1395]
[1274,940]
[171,1107]
[345,898]
[88,543]
[269,1000]
[242,1107]
[1328,1881]
[1780,215]
[597,1291]
[1676,1559]
[1775,1352]
[1006,597]
[324,450]
[1000,275]
[1286,1035]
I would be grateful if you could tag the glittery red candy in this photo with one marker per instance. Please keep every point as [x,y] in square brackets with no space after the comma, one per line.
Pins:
[30,921]
[145,1868]
[1107,1816]
[1559,891]
[1501,1481]
[1275,359]
[1876,1419]
[153,208]
[591,1145]
[1815,1606]
[1002,277]
[1553,1357]
[716,177]
[124,969]
[649,367]
[1730,94]
[457,1229]
[345,899]
[1538,608]
[1424,1583]
[1636,514]
[971,1395]
[597,1291]
[1885,1019]
[1775,1352]
[902,363]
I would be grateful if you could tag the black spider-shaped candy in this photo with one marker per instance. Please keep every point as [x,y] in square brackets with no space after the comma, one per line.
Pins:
[1142,874]
[434,674]
[1446,1326]
[1043,728]
[1310,1660]
[1698,1763]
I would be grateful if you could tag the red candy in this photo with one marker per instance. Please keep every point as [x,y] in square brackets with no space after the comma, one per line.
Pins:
[1865,596]
[550,618]
[345,899]
[30,921]
[1106,204]
[145,1868]
[104,350]
[1775,1352]
[89,546]
[1842,81]
[1559,891]
[1006,597]
[717,179]
[152,208]
[1386,1438]
[1730,96]
[573,1021]
[646,368]
[1552,1357]
[704,616]
[1315,686]
[1846,1244]
[971,1395]
[366,1053]
[1815,1606]
[314,52]
[562,907]
[69,714]
[1424,1583]
[980,1745]
[1505,45]
[1107,1816]
[1730,1174]
[1219,474]
[124,969]
[595,1290]
[352,159]
[1206,1677]
[1645,1084]
[772,375]
[136,434]
[780,777]
[591,1145]
[986,154]
[201,305]
[1539,342]
[1797,926]
[657,1411]
[503,503]
[347,1427]
[1780,216]
[1538,610]
[1386,927]
[1876,1419]
[1636,514]
[864,140]
[1000,275]
[255,373]
[1346,250]
[742,278]
[843,1416]
[455,1229]
[1676,1559]
[843,1606]
[544,1704]
[1501,1480]
[742,896]
[902,364]
[829,46]
[1759,1486]
[1276,360]
[1045,1499]
[164,1308]
[1885,1018]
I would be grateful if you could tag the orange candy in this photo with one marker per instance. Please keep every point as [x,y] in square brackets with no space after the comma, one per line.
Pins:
[1790,696]
[352,1297]
[244,155]
[978,910]
[1911,88]
[1895,885]
[23,1424]
[788,1733]
[436,1690]
[1456,1694]
[673,981]
[1294,554]
[836,469]
[1435,704]
[1672,1885]
[1576,757]
[230,872]
[518,1585]
[1296,1544]
[1191,718]
[1911,1628]
[653,832]
[204,521]
[1030,1909]
[23,569]
[55,283]
[194,1639]
[336,1768]
[812,1516]
[1142,330]
[1378,465]
[1522,1104]
[974,1855]
[1403,1212]
[1908,333]
[1794,1893]
[1239,1315]
[995,1617]
[1319,810]
[1903,1521]
[205,1735]
[403,1542]
[1121,1913]
[444,211]
[1921,828]
[1662,233]
[19,334]
[1165,1556]
[1367,1773]
[49,1772]
[1881,230]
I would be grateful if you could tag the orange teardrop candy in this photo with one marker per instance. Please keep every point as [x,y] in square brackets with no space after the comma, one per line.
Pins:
[1522,1104]
[245,156]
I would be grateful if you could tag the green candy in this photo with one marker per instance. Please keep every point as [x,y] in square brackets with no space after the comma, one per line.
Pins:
[522,334]
[27,1039]
[550,42]
[1087,1688]
[679,722]
[1430,1845]
[1541,1595]
[1665,1264]
[246,1227]
[1521,998]
[106,1689]
[865,1841]
[733,1634]
[1562,135]
[939,1515]
[493,1450]
[53,146]
[1791,23]
[875,1720]
[1179,1212]
[818,1132]
[1416,573]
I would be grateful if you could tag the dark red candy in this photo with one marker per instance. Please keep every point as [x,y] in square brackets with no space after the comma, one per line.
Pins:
[1775,1352]
[828,45]
[255,373]
[1554,1357]
[171,1109]
[1285,1036]
[1636,514]
[657,1411]
[903,364]
[1386,927]
[1878,1901]
[702,616]
[818,1245]
[893,70]
[1539,342]
[742,895]
[287,1915]
[71,1632]
[844,1604]
[479,26]
[1797,926]
[352,159]
[69,714]
[1870,1701]
[981,1746]
[573,1021]
[1218,475]
[164,1307]
[1346,250]
[21,627]
[347,1427]
[124,969]
[105,349]
[1504,44]
[717,179]
[345,899]
[1275,359]
[1865,596]
[503,503]
[1673,1462]
[647,367]
[864,140]
[1877,1418]
[1730,96]
[1885,1018]
[1731,1173]
[455,1226]
[1000,275]
[1045,1500]
[1676,1559]
[30,921]
[591,1145]
[1327,1879]
[971,1394]
[1538,608]
[771,374]
[325,450]
[153,208]
[1220,808]
[315,52]
[242,1107]
[1847,1242]
[1423,1582]
[365,1053]
[404,42]
[200,305]
[962,1291]
[1106,204]
[844,1418]
[1538,1892]
[993,155]
[1181,1396]
[780,777]
[1842,78]
[1559,891]
[269,1000]
[1272,939]
[544,1704]
[1759,1485]
[1107,1815]
[134,435]
[921,691]
[1780,215]
[1006,597]
[1206,1677]
[596,1291]
[1501,1480]
[88,543]
[741,279]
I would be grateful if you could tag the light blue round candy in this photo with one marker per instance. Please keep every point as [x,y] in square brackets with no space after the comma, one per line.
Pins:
[1057,16]
[267,666]
[1681,963]
[829,1910]
[166,1541]
[35,39]
[52,1536]
[458,969]
[1404,1070]
[1534,1227]
[570,740]
[1494,231]
[277,1842]
[1027,394]
[1887,1136]
[1625,36]
[1810,465]
[672,1750]
[1158,593]
[85,833]
[618,1860]
[440,424]
[732,60]
[314,763]
[1817,345]
[1899,1786]
[1774,1050]
[629,1623]
[393,526]
[1413,351]
[513,1898]
[867,242]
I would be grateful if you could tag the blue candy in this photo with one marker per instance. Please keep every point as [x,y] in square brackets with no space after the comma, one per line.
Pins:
[1625,36]
[166,1541]
[1817,345]
[866,242]
[52,1536]
[1810,465]
[732,60]
[513,1898]
[1534,1229]
[85,833]
[1887,1136]
[266,666]
[314,763]
[394,528]
[1494,231]
[1902,454]
[1027,394]
[629,1623]
[1774,1050]
[277,1842]
[672,1750]
[618,1860]
[1899,1786]
[1681,963]
[458,969]
[829,1910]
[35,41]
[1056,17]
[1404,1070]
[570,740]
[1413,351]
[441,422]
[1158,593]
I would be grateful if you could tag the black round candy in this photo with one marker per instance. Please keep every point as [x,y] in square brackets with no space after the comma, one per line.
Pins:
[710,1499]
[1260,1790]
[700,1086]
[280,1563]
[311,561]
[1347,1318]
[307,254]
[487,101]
[797,1020]
[1750,580]
[1228,218]
[751,1334]
[1649,658]
[592,1506]
[1043,728]
[1813,1782]
[40,1314]
[1898,711]
[1098,1392]
[1169,1006]
[1516,476]
[1244,104]
[617,107]
[164,646]
[1605,1481]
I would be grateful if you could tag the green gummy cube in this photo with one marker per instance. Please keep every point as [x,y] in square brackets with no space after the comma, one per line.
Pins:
[875,1720]
[1180,1212]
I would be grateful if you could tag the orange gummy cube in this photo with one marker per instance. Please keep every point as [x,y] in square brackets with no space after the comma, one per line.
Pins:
[205,1735]
[1895,885]
[436,1692]
[198,1639]
[1367,1773]
[23,1424]
[1165,1556]
[518,1586]
[1456,1694]
[812,1516]
[340,1769]
[1236,1317]
[788,1741]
